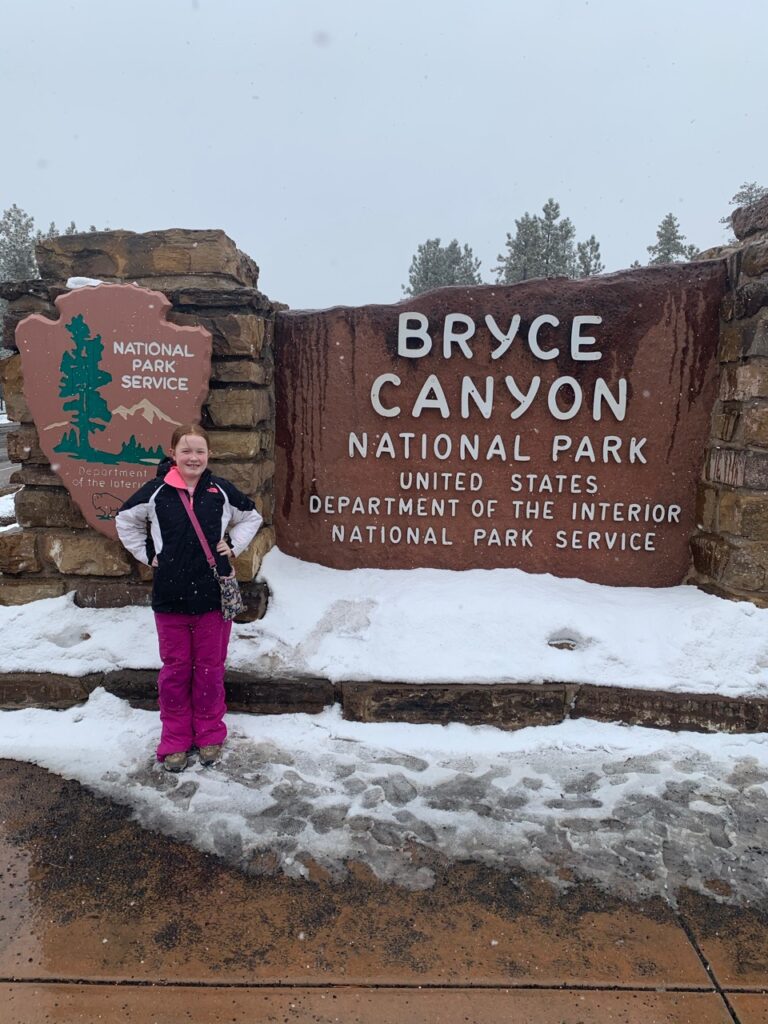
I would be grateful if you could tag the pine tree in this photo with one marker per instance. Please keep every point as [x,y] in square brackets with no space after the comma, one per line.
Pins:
[543,246]
[81,379]
[589,257]
[17,248]
[557,235]
[749,193]
[669,247]
[436,265]
[17,245]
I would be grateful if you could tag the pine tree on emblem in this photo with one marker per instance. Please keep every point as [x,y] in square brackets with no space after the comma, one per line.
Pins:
[81,379]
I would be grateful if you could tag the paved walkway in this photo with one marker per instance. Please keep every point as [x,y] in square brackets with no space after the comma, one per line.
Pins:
[100,919]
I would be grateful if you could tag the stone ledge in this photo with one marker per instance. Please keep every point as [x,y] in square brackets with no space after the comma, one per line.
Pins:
[508,706]
[517,705]
[128,254]
[245,693]
[44,689]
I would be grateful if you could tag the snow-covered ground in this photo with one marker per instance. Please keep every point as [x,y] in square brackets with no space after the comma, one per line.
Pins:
[430,625]
[637,811]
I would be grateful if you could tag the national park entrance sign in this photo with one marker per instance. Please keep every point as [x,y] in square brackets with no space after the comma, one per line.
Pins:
[107,383]
[553,426]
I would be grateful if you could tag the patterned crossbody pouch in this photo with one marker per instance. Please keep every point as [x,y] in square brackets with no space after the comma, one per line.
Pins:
[231,598]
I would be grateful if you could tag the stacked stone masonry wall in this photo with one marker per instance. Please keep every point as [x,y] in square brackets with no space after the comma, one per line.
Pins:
[209,282]
[730,553]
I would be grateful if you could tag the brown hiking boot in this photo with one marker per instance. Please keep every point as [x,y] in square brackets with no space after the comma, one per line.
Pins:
[210,755]
[175,762]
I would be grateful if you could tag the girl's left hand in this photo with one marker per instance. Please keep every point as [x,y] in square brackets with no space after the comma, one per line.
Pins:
[224,549]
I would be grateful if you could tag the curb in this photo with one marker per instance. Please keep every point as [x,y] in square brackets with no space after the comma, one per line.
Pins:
[503,705]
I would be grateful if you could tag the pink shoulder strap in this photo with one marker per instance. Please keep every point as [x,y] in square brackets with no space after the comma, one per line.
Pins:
[198,528]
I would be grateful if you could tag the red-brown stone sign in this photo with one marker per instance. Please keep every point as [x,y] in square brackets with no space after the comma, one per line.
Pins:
[107,383]
[554,426]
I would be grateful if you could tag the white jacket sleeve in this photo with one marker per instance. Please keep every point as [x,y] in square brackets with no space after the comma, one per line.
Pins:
[242,528]
[131,526]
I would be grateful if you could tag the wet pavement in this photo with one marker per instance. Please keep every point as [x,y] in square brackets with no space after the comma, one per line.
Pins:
[103,920]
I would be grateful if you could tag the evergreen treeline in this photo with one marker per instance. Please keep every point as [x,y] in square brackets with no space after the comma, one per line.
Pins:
[544,245]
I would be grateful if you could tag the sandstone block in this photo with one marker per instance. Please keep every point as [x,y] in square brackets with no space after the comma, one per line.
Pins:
[234,334]
[754,425]
[17,552]
[726,466]
[26,589]
[750,298]
[756,470]
[755,336]
[754,260]
[744,515]
[239,444]
[248,477]
[145,572]
[169,283]
[138,686]
[731,347]
[706,507]
[265,503]
[750,220]
[231,407]
[256,600]
[12,383]
[84,554]
[128,255]
[205,300]
[698,711]
[240,371]
[248,692]
[746,568]
[505,706]
[112,595]
[37,476]
[16,291]
[45,689]
[725,422]
[745,381]
[23,446]
[736,468]
[39,506]
[710,554]
[248,563]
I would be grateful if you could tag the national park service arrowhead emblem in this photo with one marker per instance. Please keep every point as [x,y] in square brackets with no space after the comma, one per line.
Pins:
[107,384]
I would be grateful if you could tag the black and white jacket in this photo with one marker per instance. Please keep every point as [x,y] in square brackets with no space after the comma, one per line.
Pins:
[155,523]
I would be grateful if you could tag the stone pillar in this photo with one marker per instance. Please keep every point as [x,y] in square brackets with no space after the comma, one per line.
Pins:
[209,282]
[730,553]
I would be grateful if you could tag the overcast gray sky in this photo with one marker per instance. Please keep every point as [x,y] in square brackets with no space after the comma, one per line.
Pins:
[330,138]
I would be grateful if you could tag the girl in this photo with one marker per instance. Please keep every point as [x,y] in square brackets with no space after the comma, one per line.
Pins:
[186,596]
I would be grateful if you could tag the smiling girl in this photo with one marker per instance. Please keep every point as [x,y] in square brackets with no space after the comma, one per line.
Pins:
[156,528]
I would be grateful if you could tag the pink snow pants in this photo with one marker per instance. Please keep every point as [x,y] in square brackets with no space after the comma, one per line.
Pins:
[193,649]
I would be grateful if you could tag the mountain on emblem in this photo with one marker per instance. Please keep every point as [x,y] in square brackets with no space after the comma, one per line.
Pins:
[106,384]
[145,409]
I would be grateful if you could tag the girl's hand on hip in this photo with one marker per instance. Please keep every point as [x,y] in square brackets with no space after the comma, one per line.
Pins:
[224,549]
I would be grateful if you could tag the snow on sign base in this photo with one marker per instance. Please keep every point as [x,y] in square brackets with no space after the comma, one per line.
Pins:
[107,383]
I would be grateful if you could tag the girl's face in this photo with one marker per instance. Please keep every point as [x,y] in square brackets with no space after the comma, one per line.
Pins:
[191,457]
